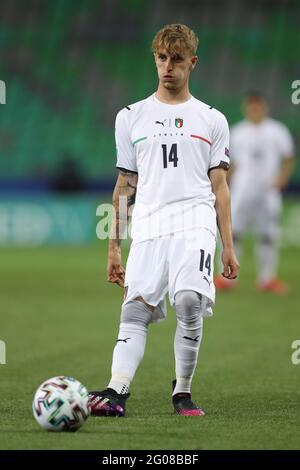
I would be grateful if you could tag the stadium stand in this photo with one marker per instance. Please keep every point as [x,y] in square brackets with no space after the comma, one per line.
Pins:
[69,66]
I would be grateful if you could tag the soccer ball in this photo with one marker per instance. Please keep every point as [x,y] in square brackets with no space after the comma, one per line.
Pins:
[61,404]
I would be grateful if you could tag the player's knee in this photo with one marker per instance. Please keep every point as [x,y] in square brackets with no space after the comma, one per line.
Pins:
[136,312]
[188,309]
[188,300]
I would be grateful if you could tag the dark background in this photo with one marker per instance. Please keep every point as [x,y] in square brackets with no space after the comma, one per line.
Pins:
[70,65]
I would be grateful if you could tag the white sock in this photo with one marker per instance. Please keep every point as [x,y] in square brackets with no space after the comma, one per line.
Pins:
[267,260]
[127,356]
[187,338]
[186,356]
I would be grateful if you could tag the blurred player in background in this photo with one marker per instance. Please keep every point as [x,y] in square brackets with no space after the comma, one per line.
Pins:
[172,153]
[261,164]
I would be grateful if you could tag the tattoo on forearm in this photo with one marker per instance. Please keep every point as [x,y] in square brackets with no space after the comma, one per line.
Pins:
[125,188]
[129,187]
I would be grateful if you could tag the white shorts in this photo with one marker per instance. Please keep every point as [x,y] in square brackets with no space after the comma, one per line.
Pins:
[260,214]
[172,263]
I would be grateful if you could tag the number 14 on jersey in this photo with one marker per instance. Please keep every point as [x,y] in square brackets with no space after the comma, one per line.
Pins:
[169,156]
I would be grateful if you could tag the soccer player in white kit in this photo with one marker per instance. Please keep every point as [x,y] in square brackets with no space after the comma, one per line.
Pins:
[261,151]
[172,153]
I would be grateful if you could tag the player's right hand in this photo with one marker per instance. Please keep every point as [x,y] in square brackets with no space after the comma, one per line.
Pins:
[115,271]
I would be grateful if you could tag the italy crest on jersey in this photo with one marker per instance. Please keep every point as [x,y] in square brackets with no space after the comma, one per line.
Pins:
[178,122]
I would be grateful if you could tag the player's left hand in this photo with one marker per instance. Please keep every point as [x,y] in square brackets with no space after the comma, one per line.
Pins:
[230,264]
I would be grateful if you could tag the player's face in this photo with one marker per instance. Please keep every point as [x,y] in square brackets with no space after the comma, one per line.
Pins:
[255,110]
[174,69]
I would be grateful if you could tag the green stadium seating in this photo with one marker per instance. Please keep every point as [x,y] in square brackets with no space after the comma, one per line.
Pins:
[70,66]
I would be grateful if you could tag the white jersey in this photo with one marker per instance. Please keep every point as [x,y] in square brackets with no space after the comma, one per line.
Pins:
[257,151]
[171,148]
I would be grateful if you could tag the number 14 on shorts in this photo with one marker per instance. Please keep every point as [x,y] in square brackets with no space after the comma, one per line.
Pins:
[205,262]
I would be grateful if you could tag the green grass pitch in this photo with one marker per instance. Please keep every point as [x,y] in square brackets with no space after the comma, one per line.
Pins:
[59,316]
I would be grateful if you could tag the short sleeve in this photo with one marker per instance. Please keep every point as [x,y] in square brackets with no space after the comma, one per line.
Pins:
[286,144]
[219,151]
[126,159]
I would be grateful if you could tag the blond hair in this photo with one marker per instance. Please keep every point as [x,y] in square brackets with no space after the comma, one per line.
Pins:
[174,38]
